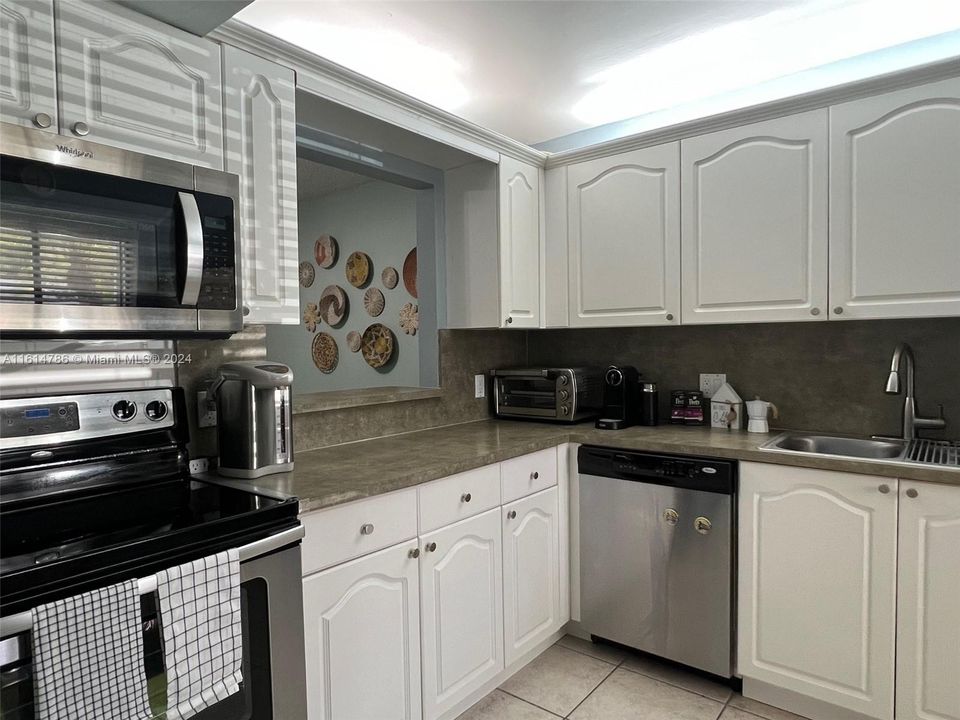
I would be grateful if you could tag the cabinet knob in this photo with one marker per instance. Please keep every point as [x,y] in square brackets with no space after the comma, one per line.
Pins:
[246,310]
[670,317]
[509,320]
[414,553]
[814,311]
[838,310]
[431,547]
[884,489]
[911,493]
[466,497]
[366,529]
[42,120]
[512,514]
[80,128]
[534,475]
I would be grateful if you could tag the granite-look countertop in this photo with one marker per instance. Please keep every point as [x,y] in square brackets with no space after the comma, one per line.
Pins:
[341,473]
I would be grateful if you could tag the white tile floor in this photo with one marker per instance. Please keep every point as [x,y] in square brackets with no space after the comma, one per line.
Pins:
[581,680]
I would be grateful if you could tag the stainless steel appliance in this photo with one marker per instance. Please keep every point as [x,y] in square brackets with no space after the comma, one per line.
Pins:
[95,489]
[254,418]
[561,394]
[621,398]
[656,554]
[95,240]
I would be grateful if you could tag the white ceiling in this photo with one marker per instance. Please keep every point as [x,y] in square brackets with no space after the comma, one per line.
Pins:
[543,69]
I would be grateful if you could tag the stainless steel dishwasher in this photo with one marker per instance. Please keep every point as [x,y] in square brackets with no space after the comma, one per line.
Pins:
[657,554]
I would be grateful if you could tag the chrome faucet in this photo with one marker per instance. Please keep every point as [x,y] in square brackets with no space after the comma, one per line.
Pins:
[911,421]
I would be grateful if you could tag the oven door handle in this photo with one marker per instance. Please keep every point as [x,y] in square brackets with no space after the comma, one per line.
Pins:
[193,274]
[22,622]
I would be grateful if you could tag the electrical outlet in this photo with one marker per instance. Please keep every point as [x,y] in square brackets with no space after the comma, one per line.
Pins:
[711,382]
[199,465]
[206,410]
[479,386]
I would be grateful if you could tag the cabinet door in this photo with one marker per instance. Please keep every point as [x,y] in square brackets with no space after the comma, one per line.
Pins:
[28,82]
[928,609]
[531,572]
[754,241]
[134,82]
[624,238]
[461,599]
[261,147]
[362,626]
[817,584]
[519,243]
[895,204]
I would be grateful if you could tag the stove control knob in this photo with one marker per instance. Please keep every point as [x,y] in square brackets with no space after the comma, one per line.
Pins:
[564,394]
[124,410]
[564,409]
[156,410]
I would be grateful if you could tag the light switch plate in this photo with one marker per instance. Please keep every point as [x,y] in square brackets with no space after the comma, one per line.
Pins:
[206,412]
[479,386]
[711,382]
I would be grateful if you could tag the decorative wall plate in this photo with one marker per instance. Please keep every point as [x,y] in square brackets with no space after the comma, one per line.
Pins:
[333,305]
[377,345]
[410,272]
[353,340]
[325,250]
[311,316]
[373,302]
[410,318]
[307,274]
[390,277]
[358,269]
[325,352]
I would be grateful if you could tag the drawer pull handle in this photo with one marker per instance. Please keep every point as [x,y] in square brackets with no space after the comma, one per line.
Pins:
[366,529]
[414,553]
[466,497]
[911,493]
[431,547]
[512,514]
[534,475]
[884,489]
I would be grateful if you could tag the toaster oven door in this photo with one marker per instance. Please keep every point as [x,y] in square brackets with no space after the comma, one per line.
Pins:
[526,396]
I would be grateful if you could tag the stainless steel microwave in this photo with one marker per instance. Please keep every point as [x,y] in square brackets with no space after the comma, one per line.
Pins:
[99,241]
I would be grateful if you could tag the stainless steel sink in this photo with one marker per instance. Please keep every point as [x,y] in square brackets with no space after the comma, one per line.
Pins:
[843,446]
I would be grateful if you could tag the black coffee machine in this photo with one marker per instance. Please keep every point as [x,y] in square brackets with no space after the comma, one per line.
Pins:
[621,398]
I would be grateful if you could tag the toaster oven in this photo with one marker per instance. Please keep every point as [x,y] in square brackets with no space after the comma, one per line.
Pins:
[559,394]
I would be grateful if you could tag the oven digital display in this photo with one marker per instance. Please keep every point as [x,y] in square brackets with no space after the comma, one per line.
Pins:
[215,223]
[34,413]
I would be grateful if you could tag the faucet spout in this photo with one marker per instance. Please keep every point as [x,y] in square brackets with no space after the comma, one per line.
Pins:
[911,421]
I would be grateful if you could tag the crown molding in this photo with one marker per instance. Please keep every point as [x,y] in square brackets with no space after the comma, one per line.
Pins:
[765,111]
[358,92]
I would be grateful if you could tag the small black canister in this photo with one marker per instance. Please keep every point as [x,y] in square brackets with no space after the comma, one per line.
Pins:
[649,404]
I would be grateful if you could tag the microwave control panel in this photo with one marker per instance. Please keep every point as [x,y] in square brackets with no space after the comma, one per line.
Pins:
[218,291]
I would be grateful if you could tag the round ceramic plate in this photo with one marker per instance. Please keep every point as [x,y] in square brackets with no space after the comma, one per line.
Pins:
[307,274]
[373,302]
[333,305]
[390,277]
[311,317]
[410,318]
[377,345]
[325,352]
[325,250]
[353,340]
[410,272]
[358,269]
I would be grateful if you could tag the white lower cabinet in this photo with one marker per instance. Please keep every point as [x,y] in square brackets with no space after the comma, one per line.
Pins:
[362,626]
[461,593]
[817,584]
[928,602]
[531,572]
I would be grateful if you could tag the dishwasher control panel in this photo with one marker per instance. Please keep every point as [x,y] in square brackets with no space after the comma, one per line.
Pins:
[708,474]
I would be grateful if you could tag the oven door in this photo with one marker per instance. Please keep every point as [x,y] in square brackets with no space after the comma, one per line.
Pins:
[274,684]
[106,244]
[526,395]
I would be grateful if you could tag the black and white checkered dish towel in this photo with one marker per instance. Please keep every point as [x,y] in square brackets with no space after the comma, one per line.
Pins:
[202,636]
[88,656]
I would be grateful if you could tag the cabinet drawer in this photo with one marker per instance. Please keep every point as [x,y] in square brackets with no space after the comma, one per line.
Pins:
[458,497]
[341,533]
[528,474]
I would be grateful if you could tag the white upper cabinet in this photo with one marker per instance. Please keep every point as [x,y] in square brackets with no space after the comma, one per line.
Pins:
[817,584]
[754,240]
[928,610]
[520,250]
[895,204]
[362,638]
[531,580]
[28,82]
[133,82]
[261,147]
[624,238]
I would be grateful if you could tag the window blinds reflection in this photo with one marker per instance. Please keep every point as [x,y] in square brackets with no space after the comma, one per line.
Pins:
[67,258]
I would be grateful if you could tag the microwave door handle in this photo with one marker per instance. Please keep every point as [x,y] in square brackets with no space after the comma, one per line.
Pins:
[194,272]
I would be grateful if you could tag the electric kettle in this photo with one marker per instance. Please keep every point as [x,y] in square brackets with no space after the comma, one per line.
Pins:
[757,412]
[254,418]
